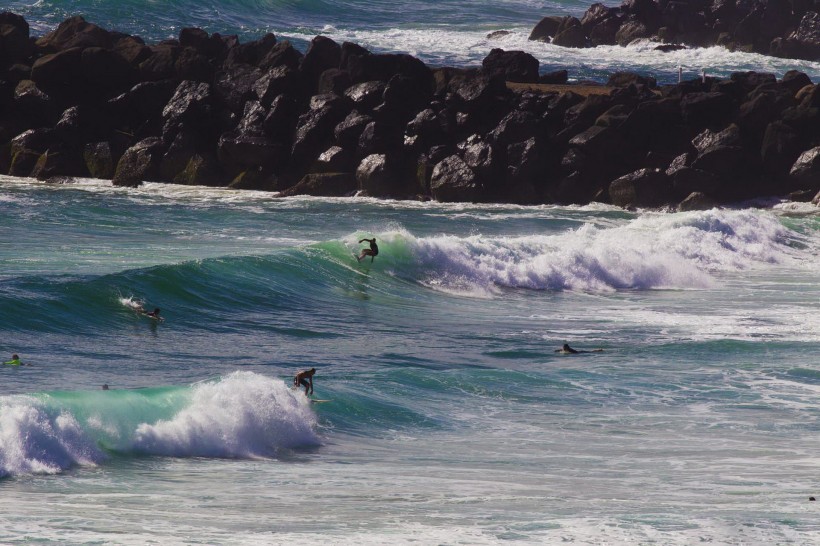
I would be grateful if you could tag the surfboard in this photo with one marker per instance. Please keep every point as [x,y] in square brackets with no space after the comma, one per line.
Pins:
[319,401]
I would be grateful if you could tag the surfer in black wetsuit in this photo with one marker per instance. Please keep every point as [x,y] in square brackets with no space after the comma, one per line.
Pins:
[567,350]
[305,378]
[373,251]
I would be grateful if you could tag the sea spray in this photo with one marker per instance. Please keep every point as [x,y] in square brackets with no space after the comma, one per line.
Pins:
[242,415]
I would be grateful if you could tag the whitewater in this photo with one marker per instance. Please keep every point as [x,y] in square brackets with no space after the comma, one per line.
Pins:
[452,420]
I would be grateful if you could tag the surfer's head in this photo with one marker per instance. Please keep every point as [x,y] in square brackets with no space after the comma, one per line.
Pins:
[566,347]
[312,370]
[14,357]
[156,310]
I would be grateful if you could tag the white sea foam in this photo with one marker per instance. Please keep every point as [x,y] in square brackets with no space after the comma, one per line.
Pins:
[37,439]
[448,46]
[681,251]
[243,415]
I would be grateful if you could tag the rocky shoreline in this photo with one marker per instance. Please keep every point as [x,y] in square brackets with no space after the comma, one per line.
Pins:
[339,120]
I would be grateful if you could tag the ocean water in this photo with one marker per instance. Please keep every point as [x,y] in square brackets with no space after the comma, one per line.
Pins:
[440,32]
[451,419]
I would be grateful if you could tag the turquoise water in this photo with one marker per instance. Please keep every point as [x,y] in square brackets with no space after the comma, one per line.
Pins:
[452,420]
[440,32]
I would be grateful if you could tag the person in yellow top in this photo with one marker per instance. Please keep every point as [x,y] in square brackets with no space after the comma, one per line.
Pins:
[15,361]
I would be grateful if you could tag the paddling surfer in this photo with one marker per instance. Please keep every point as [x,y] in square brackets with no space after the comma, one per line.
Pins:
[373,251]
[567,350]
[305,379]
[15,361]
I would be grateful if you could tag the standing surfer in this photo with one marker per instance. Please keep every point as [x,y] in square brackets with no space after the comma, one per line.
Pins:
[305,378]
[373,251]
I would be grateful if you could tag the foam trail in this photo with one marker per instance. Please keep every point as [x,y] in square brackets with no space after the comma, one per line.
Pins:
[680,251]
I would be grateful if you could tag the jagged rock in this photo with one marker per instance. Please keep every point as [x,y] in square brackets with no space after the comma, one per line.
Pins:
[546,29]
[696,201]
[324,184]
[335,160]
[454,181]
[805,173]
[322,54]
[707,109]
[383,67]
[138,163]
[314,131]
[282,54]
[34,104]
[75,32]
[62,161]
[794,81]
[347,132]
[280,123]
[189,103]
[132,50]
[687,180]
[429,127]
[377,177]
[496,34]
[253,53]
[483,159]
[780,149]
[642,188]
[379,138]
[730,136]
[161,65]
[239,151]
[630,31]
[573,36]
[99,160]
[200,171]
[192,65]
[525,163]
[237,85]
[334,80]
[366,95]
[514,66]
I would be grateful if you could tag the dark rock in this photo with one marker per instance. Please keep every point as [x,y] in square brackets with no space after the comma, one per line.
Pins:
[454,181]
[254,179]
[281,80]
[14,43]
[200,171]
[625,79]
[546,28]
[379,138]
[33,104]
[62,161]
[429,127]
[350,50]
[403,98]
[324,184]
[586,112]
[383,67]
[696,201]
[237,85]
[334,80]
[730,136]
[282,54]
[105,73]
[571,37]
[526,163]
[615,116]
[804,43]
[314,131]
[22,162]
[254,53]
[335,160]
[687,180]
[514,66]
[161,65]
[794,81]
[322,54]
[517,126]
[780,149]
[630,31]
[191,103]
[239,151]
[58,74]
[99,160]
[666,48]
[366,95]
[604,32]
[555,77]
[138,163]
[483,159]
[642,188]
[194,66]
[347,132]
[496,34]
[75,32]
[280,123]
[805,173]
[702,110]
[132,50]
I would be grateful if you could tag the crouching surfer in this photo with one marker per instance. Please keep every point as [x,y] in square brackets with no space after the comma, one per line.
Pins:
[305,379]
[373,251]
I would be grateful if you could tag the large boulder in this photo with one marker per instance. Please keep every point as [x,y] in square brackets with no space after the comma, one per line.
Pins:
[805,173]
[546,28]
[322,54]
[514,66]
[75,32]
[99,160]
[642,188]
[139,163]
[454,181]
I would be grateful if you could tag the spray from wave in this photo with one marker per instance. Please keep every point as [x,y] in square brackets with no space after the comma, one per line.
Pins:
[243,415]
